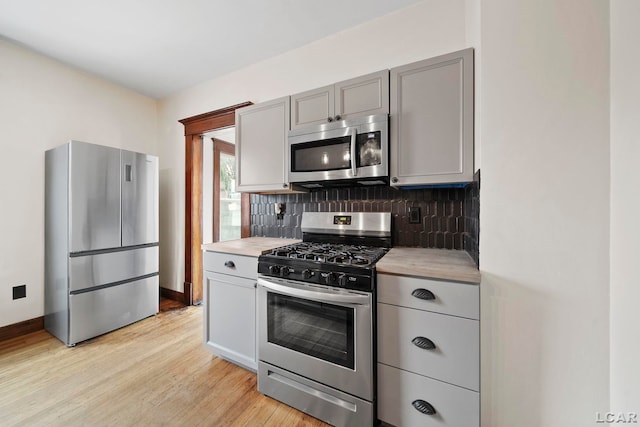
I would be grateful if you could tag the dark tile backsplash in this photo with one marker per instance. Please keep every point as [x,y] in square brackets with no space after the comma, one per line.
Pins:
[471,213]
[449,216]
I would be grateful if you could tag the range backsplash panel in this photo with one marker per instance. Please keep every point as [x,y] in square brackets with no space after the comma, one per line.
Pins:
[449,217]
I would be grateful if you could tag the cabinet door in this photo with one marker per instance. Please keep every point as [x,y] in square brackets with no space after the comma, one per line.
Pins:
[312,107]
[140,219]
[362,96]
[261,141]
[230,318]
[432,121]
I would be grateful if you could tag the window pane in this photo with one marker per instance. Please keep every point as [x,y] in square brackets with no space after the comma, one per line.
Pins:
[229,202]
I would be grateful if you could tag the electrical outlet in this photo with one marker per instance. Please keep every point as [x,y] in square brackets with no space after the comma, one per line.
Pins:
[414,215]
[280,209]
[19,291]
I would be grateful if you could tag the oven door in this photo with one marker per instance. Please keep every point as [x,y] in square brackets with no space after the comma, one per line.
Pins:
[319,332]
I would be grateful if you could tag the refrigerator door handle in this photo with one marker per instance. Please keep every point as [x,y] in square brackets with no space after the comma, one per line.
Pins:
[127,173]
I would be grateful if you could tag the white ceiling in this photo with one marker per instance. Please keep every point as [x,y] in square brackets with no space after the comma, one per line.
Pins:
[158,47]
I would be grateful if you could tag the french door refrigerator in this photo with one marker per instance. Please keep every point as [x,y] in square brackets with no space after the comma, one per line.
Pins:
[101,239]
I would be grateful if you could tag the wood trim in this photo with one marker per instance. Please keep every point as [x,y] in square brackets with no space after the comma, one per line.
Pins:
[194,127]
[245,212]
[196,220]
[21,328]
[206,122]
[172,295]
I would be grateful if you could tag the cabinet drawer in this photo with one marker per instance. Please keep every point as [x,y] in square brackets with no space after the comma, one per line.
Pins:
[397,389]
[458,299]
[103,310]
[235,265]
[455,358]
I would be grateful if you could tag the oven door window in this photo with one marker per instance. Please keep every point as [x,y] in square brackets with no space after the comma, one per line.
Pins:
[325,155]
[321,330]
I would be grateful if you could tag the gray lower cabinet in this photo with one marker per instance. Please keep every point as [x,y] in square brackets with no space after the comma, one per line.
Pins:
[428,352]
[230,307]
[431,126]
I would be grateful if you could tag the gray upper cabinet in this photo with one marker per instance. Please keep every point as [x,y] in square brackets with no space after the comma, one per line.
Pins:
[261,142]
[312,107]
[140,219]
[431,122]
[361,96]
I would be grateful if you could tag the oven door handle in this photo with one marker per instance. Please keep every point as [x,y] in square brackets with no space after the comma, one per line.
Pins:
[327,297]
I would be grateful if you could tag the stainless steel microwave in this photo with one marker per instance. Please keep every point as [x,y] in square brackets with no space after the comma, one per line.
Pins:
[348,152]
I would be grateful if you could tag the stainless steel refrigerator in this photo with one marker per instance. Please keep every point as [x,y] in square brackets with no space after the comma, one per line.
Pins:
[101,239]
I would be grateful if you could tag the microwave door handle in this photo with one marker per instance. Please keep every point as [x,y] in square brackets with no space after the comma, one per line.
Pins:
[354,134]
[328,297]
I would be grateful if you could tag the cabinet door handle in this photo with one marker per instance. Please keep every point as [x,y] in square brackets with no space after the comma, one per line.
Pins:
[338,117]
[424,407]
[229,264]
[423,294]
[329,119]
[423,343]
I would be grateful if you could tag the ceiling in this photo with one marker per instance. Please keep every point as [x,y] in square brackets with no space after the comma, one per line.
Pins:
[158,47]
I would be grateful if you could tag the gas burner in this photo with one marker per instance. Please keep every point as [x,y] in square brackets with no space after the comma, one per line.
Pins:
[356,255]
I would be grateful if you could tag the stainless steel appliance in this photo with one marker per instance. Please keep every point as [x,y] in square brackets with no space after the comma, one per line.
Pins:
[347,152]
[101,239]
[316,317]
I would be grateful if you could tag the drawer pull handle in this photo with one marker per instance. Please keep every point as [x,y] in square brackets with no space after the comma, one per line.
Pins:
[424,294]
[423,343]
[229,264]
[424,407]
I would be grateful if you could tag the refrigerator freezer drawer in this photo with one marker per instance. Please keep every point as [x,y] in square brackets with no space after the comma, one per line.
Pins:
[101,269]
[103,310]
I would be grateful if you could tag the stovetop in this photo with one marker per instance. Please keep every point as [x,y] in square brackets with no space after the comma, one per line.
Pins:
[345,266]
[353,255]
[338,249]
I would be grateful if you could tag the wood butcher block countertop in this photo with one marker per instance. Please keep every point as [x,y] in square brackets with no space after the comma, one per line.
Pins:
[444,264]
[249,246]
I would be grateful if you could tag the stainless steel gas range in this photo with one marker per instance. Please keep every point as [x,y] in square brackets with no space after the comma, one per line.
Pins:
[316,316]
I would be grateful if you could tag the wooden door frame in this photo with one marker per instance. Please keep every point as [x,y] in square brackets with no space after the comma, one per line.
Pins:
[194,127]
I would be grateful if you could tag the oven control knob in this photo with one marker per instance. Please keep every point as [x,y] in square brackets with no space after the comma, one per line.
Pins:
[284,271]
[274,269]
[342,280]
[307,274]
[331,278]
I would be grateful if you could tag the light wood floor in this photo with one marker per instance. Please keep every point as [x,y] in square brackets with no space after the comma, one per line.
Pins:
[153,373]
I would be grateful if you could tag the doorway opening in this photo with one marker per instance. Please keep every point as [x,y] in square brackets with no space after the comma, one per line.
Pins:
[194,128]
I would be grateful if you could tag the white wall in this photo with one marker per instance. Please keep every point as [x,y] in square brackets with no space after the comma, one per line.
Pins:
[544,222]
[427,29]
[625,206]
[44,104]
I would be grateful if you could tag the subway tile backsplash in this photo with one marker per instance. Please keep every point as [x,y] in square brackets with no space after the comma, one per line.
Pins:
[449,216]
